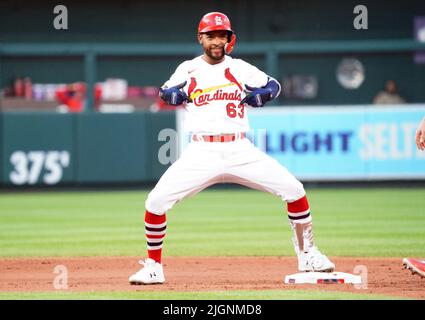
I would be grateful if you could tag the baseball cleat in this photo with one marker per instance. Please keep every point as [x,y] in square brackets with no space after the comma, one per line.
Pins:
[315,261]
[151,273]
[416,266]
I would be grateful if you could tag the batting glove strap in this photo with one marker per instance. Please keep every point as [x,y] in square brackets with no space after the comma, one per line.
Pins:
[260,96]
[173,96]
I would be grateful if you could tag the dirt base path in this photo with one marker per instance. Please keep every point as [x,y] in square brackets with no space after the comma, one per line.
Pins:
[385,275]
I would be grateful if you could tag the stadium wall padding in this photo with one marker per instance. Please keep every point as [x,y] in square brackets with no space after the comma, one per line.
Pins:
[38,148]
[111,148]
[50,149]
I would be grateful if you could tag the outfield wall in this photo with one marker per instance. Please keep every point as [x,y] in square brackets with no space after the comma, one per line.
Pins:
[316,144]
[331,143]
[50,148]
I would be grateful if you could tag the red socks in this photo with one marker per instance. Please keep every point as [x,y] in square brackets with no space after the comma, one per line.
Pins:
[299,210]
[155,227]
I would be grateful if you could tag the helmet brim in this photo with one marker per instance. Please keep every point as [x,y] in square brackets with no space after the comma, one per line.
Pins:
[218,28]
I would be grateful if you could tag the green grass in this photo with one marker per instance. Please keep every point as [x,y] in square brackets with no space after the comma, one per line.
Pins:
[347,222]
[211,295]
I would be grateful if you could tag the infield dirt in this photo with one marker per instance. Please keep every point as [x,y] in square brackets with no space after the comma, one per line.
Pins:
[384,275]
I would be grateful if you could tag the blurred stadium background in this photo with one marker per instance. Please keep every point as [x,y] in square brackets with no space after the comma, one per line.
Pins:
[79,105]
[79,110]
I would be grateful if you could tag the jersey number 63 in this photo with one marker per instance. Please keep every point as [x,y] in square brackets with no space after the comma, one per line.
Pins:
[233,110]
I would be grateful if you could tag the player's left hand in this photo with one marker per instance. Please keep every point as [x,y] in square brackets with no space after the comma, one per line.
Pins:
[257,97]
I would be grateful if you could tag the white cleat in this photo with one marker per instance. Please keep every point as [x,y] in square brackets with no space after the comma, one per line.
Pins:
[416,266]
[314,261]
[151,273]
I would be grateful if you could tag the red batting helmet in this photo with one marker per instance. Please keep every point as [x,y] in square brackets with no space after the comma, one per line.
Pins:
[215,21]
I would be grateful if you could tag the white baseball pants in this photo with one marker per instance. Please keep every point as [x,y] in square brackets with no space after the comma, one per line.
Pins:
[203,164]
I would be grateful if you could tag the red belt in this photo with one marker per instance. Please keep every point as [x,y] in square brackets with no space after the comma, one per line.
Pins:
[229,137]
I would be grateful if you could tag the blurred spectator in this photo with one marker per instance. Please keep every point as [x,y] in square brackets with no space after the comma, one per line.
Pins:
[23,88]
[27,88]
[73,96]
[389,95]
[18,87]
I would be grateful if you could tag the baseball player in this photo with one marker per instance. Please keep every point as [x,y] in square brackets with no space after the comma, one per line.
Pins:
[217,90]
[417,265]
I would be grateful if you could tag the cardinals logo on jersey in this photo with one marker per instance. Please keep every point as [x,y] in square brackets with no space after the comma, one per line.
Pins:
[201,97]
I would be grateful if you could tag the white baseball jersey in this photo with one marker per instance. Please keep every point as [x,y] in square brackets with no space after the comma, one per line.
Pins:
[216,91]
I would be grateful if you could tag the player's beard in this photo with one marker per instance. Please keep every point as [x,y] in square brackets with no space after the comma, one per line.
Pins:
[209,53]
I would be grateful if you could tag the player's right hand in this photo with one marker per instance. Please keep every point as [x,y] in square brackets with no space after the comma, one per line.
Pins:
[174,96]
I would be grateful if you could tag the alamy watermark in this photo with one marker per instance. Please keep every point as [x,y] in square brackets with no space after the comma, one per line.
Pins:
[361,270]
[60,282]
[60,22]
[360,22]
[169,151]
